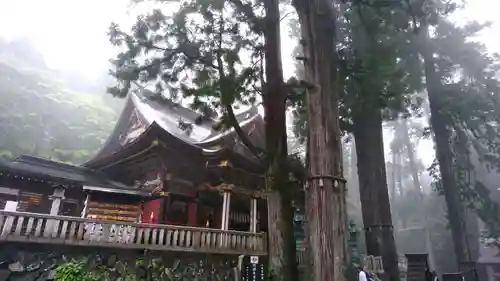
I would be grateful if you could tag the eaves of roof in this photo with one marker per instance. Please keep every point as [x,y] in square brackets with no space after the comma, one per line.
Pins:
[60,173]
[153,137]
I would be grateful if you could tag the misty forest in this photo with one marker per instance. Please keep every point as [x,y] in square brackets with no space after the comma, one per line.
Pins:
[388,128]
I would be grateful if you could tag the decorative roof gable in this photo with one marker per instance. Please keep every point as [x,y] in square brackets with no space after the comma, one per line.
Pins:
[140,114]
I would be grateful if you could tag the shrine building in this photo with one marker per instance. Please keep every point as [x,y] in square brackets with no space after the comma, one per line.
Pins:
[155,184]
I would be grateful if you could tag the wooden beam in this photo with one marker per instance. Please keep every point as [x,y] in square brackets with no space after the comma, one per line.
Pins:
[234,189]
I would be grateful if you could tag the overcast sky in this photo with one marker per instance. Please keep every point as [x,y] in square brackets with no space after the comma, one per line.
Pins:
[71,34]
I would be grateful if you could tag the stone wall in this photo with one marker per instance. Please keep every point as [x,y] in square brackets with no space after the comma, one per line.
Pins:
[31,262]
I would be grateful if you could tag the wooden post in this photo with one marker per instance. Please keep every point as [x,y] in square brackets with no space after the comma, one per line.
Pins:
[226,202]
[228,210]
[223,220]
[253,215]
[86,206]
[57,198]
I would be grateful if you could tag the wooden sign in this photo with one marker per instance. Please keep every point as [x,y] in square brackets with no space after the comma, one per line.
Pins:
[32,202]
[254,269]
[115,212]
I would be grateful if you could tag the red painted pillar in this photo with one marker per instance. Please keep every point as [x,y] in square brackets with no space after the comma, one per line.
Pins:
[151,211]
[193,214]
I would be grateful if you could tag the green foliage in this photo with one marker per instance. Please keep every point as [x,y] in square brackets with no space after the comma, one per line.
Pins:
[468,103]
[376,60]
[377,65]
[74,271]
[465,97]
[83,271]
[159,269]
[209,52]
[40,116]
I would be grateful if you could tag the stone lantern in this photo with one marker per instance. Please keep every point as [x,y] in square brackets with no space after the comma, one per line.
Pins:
[353,244]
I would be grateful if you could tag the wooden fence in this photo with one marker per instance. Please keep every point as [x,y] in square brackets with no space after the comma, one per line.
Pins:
[41,228]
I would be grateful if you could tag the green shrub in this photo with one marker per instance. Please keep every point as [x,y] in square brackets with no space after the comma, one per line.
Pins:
[74,271]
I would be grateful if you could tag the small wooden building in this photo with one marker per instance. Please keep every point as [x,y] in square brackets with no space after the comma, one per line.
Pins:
[32,184]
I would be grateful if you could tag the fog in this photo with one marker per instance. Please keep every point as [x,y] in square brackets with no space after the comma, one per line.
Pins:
[53,78]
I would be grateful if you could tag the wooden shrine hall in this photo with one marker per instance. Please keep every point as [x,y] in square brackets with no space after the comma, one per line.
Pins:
[160,177]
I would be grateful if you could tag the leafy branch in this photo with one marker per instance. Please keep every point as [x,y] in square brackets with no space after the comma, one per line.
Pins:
[199,59]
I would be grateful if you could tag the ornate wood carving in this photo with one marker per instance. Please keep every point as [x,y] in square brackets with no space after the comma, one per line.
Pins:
[155,185]
[135,129]
[225,187]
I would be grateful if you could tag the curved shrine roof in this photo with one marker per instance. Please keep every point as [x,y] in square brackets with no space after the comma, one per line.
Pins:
[142,114]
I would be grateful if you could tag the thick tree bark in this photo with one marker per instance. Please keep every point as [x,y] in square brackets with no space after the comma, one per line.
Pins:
[354,208]
[353,190]
[282,255]
[455,209]
[374,194]
[325,193]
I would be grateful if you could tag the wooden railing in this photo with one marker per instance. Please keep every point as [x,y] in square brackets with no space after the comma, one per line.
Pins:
[373,264]
[301,257]
[40,228]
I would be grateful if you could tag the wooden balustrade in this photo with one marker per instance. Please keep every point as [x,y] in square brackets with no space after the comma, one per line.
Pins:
[41,228]
[373,264]
[301,257]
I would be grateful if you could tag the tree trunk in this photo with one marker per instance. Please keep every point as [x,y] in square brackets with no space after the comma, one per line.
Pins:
[418,188]
[411,158]
[402,221]
[394,194]
[373,191]
[393,177]
[325,193]
[353,208]
[353,190]
[399,175]
[455,209]
[282,255]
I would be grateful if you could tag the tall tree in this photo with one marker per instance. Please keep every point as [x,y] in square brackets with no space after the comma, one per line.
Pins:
[325,193]
[404,143]
[404,131]
[460,80]
[456,211]
[282,241]
[374,80]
